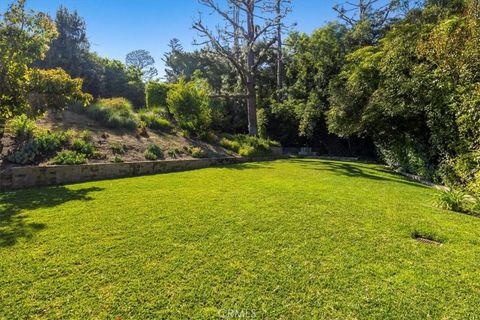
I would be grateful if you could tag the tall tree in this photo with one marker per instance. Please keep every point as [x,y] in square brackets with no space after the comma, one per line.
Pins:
[416,93]
[280,28]
[143,61]
[369,18]
[176,61]
[279,46]
[256,24]
[120,80]
[24,38]
[71,51]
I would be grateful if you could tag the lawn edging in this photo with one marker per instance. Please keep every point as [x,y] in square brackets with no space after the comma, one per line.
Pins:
[420,179]
[36,176]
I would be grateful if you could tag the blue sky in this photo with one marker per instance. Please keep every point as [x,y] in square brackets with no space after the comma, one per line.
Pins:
[116,27]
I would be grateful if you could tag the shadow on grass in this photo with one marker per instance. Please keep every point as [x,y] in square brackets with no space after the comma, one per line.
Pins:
[355,170]
[246,166]
[12,205]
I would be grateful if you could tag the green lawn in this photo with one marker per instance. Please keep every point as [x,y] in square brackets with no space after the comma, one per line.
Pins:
[288,239]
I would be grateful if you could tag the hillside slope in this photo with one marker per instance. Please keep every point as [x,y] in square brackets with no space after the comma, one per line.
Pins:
[113,144]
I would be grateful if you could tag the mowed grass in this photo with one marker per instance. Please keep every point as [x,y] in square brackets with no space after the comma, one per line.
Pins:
[287,239]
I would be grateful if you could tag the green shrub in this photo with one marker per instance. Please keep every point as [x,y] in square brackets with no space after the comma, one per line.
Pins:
[117,159]
[452,199]
[156,94]
[116,113]
[98,155]
[188,102]
[22,127]
[150,155]
[85,135]
[156,122]
[40,147]
[154,152]
[462,171]
[475,209]
[25,155]
[230,145]
[69,157]
[247,151]
[173,152]
[459,201]
[81,146]
[209,137]
[118,148]
[197,152]
[262,122]
[142,129]
[247,146]
[52,141]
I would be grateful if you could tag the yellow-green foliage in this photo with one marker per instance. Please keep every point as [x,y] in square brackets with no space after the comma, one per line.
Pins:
[25,36]
[188,102]
[156,122]
[55,89]
[156,94]
[22,127]
[197,152]
[84,147]
[247,151]
[153,152]
[246,145]
[115,113]
[69,157]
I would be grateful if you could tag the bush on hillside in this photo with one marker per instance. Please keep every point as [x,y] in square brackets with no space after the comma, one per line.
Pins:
[46,144]
[116,113]
[27,154]
[154,152]
[53,141]
[81,146]
[246,145]
[69,157]
[156,95]
[118,148]
[188,102]
[22,127]
[156,122]
[40,147]
[197,152]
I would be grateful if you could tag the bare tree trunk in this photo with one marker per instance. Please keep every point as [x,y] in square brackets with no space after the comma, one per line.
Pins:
[279,64]
[251,105]
[279,50]
[243,34]
[250,79]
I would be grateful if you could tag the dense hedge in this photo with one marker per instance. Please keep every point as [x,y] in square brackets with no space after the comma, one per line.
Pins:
[156,94]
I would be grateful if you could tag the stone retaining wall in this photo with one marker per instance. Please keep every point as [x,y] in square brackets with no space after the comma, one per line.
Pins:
[34,176]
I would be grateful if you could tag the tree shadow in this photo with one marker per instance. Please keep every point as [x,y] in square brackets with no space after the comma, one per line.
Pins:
[246,166]
[14,204]
[355,170]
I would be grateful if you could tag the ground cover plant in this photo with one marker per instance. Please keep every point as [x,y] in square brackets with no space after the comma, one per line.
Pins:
[246,145]
[156,122]
[288,239]
[116,113]
[153,152]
